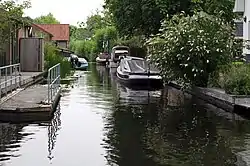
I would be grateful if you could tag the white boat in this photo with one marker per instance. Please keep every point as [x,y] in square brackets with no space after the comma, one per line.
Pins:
[138,73]
[78,63]
[118,52]
[103,58]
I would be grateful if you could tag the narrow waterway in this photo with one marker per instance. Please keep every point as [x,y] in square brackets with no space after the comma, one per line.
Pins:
[100,122]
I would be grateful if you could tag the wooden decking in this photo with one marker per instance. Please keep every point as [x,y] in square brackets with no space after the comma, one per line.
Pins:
[28,102]
[28,105]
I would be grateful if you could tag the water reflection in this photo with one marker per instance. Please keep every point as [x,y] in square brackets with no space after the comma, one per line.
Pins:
[11,137]
[100,122]
[53,129]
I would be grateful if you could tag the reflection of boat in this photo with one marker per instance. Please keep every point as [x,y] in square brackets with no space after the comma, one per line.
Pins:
[103,59]
[132,96]
[137,72]
[118,52]
[78,63]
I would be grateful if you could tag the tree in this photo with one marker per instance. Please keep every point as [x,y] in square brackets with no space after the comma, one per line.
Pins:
[144,17]
[222,8]
[189,48]
[171,7]
[11,19]
[46,19]
[141,17]
[104,36]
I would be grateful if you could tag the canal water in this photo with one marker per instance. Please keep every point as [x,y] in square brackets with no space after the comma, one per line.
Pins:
[102,123]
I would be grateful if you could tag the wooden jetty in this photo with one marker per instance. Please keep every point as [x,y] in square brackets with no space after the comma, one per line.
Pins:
[30,101]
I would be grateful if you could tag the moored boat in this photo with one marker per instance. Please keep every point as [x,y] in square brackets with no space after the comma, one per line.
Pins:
[102,58]
[138,73]
[118,52]
[78,63]
[81,64]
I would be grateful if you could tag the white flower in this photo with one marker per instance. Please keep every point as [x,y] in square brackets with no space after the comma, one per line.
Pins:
[207,61]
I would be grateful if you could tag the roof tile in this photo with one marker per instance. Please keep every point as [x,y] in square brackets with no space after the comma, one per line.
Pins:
[59,31]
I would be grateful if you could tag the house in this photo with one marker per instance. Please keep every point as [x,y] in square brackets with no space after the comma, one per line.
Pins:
[32,30]
[60,33]
[242,8]
[11,53]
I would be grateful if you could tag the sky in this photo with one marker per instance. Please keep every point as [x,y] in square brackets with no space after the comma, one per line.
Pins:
[66,11]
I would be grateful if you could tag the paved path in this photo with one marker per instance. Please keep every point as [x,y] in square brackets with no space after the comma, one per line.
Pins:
[32,97]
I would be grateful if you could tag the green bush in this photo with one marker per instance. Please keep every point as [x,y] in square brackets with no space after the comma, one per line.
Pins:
[84,48]
[92,47]
[237,80]
[136,45]
[52,57]
[190,48]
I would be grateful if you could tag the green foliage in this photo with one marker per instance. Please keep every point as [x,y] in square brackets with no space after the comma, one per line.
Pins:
[136,45]
[93,36]
[172,7]
[85,49]
[237,50]
[143,17]
[52,57]
[189,48]
[237,80]
[11,19]
[102,36]
[222,8]
[46,19]
[98,43]
[140,17]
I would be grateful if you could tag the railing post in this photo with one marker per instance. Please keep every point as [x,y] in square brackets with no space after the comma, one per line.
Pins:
[10,78]
[15,76]
[48,81]
[0,83]
[6,73]
[19,74]
[51,87]
[53,81]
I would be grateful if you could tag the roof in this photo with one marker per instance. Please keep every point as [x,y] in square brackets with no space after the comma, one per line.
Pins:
[42,29]
[59,31]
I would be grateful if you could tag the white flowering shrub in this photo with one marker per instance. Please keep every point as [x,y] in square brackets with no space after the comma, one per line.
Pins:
[189,48]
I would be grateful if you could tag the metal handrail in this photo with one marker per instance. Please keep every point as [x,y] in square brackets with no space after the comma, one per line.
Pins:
[9,76]
[53,80]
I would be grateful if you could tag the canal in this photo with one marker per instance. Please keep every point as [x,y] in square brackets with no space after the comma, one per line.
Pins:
[100,122]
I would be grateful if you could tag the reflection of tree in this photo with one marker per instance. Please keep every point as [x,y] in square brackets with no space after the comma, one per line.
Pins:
[124,144]
[175,135]
[53,128]
[10,136]
[188,137]
[99,77]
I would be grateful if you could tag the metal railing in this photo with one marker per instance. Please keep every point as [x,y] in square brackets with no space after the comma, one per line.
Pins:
[10,78]
[53,79]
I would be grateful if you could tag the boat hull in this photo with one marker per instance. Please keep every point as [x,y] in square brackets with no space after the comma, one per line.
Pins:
[140,82]
[82,67]
[100,61]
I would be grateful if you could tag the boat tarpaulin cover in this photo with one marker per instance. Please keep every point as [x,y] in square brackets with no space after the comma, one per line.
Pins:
[141,66]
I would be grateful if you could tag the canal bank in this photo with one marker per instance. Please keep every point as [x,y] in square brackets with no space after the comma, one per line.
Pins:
[239,104]
[100,122]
